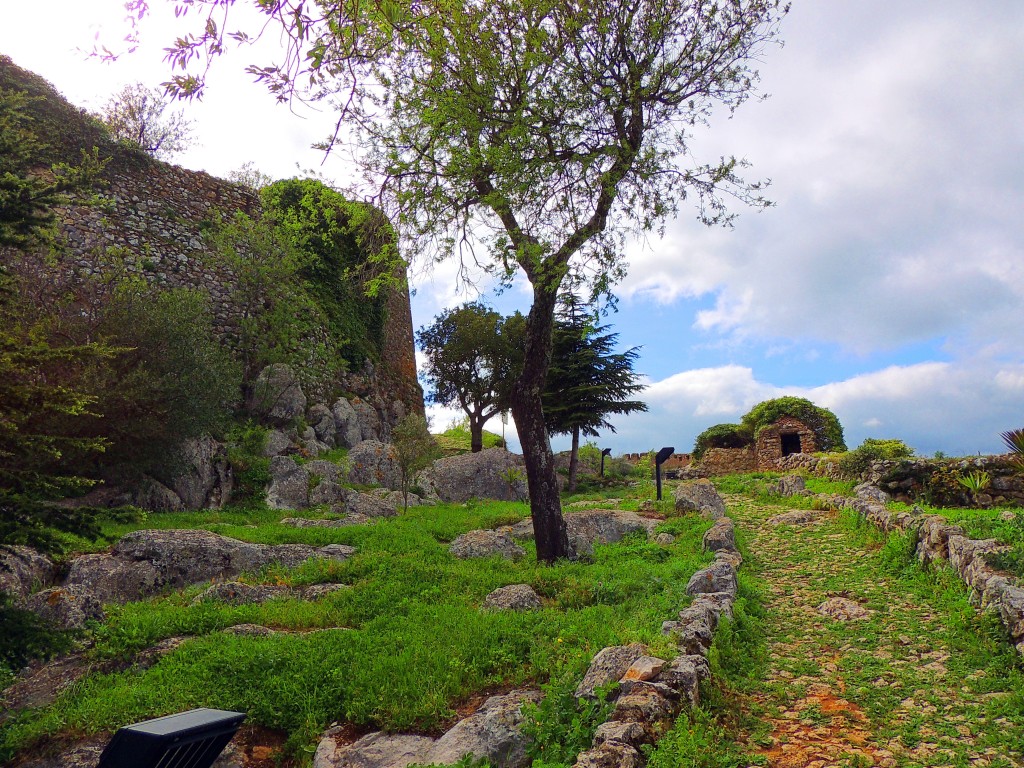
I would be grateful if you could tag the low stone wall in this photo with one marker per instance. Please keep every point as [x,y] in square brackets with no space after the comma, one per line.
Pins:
[727,461]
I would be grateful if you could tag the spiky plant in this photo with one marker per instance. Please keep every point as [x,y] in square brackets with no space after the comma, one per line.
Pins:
[1014,440]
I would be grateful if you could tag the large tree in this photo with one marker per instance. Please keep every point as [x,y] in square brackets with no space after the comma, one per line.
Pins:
[526,135]
[588,381]
[471,357]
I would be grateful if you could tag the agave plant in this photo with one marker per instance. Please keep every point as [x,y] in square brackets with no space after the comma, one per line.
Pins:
[1014,440]
[975,482]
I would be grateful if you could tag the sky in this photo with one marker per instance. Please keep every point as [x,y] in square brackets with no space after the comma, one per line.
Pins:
[886,283]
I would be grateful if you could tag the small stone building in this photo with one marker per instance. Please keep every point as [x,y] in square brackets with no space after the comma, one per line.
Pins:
[782,438]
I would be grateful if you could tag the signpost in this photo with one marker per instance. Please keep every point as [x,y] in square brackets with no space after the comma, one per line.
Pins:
[192,739]
[660,459]
[604,452]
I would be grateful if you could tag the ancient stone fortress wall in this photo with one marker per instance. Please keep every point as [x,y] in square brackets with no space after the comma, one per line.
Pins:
[156,225]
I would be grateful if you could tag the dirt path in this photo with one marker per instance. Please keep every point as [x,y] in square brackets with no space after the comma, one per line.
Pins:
[907,676]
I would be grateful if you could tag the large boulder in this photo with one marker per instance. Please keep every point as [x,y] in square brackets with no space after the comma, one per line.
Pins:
[373,463]
[514,597]
[486,543]
[289,484]
[588,527]
[204,479]
[493,733]
[22,569]
[321,421]
[277,396]
[699,496]
[369,420]
[493,473]
[67,608]
[347,431]
[608,666]
[144,563]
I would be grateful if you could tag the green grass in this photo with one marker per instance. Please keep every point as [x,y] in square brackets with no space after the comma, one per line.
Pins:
[399,650]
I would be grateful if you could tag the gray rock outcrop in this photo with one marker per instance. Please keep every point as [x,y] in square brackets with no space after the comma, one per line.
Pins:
[493,473]
[144,563]
[277,396]
[372,462]
[347,431]
[22,569]
[493,733]
[588,527]
[721,535]
[699,496]
[486,543]
[608,666]
[514,597]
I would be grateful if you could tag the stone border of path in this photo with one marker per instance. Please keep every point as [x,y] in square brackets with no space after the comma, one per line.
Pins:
[938,542]
[652,691]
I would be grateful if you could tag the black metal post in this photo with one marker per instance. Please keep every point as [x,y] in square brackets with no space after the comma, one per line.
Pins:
[660,459]
[605,452]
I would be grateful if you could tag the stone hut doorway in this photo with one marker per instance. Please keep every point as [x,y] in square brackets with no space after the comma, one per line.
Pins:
[790,443]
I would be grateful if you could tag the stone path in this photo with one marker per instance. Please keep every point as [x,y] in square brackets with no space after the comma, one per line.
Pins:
[899,679]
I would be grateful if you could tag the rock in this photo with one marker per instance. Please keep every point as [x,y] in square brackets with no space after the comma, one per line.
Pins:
[304,522]
[1011,610]
[633,734]
[372,462]
[603,526]
[842,609]
[731,556]
[643,669]
[788,485]
[153,495]
[289,485]
[870,492]
[699,496]
[645,703]
[22,569]
[721,535]
[664,539]
[375,750]
[320,591]
[144,563]
[694,637]
[493,473]
[486,543]
[515,597]
[238,593]
[361,505]
[249,630]
[321,469]
[683,674]
[321,419]
[718,602]
[277,397]
[82,755]
[611,754]
[67,608]
[347,432]
[328,492]
[278,443]
[369,420]
[201,477]
[493,733]
[717,577]
[795,517]
[608,666]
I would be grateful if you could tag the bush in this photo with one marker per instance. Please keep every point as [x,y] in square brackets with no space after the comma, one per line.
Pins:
[27,637]
[721,436]
[858,461]
[172,381]
[250,467]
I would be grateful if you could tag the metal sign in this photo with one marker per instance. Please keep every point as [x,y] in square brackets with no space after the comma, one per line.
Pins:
[604,452]
[660,459]
[192,739]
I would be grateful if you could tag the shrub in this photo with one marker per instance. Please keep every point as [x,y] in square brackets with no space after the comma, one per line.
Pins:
[721,436]
[172,381]
[250,467]
[27,637]
[858,461]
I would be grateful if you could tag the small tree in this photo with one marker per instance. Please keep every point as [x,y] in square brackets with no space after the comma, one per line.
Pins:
[471,357]
[587,381]
[139,116]
[414,448]
[251,177]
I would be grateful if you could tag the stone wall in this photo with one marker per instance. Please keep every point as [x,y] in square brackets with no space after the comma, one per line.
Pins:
[155,226]
[768,447]
[727,461]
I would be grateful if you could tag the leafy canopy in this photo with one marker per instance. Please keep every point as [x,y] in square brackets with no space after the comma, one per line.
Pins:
[721,436]
[828,432]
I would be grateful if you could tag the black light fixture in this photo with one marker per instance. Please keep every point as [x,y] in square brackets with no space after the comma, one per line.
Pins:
[192,739]
[660,459]
[604,452]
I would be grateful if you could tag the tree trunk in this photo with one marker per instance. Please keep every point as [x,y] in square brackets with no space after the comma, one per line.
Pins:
[545,504]
[574,459]
[476,434]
